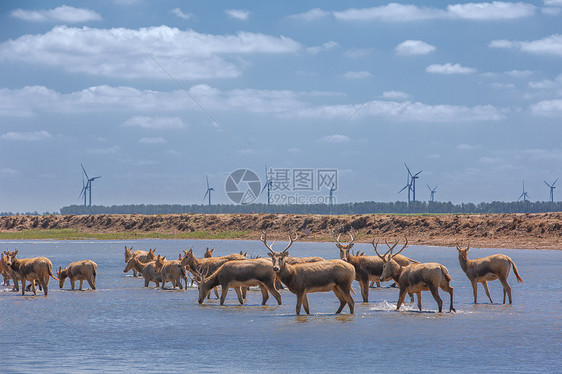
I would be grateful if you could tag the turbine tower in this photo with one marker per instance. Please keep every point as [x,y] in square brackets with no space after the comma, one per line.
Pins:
[432,191]
[551,186]
[268,184]
[524,195]
[209,190]
[87,186]
[408,185]
[332,189]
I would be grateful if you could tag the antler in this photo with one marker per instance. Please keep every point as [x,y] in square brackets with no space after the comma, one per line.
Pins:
[264,240]
[334,235]
[405,245]
[291,242]
[377,252]
[353,236]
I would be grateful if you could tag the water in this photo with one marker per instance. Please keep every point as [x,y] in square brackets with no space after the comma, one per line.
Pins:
[124,327]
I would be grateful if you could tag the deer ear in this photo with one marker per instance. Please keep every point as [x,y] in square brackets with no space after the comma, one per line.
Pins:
[270,254]
[351,245]
[285,254]
[16,252]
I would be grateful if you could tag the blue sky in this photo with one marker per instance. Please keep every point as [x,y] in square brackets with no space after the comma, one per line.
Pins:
[470,93]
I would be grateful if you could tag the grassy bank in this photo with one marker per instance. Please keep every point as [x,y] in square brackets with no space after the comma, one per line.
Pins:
[70,234]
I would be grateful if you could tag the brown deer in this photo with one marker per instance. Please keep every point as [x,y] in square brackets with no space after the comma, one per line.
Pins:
[309,277]
[171,271]
[143,256]
[367,268]
[85,270]
[416,277]
[240,274]
[146,269]
[208,253]
[482,270]
[10,273]
[32,269]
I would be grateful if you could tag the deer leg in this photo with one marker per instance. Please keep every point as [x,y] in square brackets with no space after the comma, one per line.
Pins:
[305,304]
[339,295]
[23,281]
[72,284]
[33,287]
[401,297]
[475,290]
[506,288]
[81,284]
[264,294]
[299,302]
[146,282]
[45,285]
[364,284]
[411,297]
[92,283]
[224,291]
[239,294]
[216,293]
[272,290]
[346,292]
[419,300]
[245,292]
[435,292]
[485,284]
[447,288]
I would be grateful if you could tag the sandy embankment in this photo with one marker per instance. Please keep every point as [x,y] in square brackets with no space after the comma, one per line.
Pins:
[528,231]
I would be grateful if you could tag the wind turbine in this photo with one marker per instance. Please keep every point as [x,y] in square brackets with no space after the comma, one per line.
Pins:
[524,195]
[332,189]
[432,191]
[87,186]
[268,184]
[551,186]
[408,185]
[209,189]
[413,181]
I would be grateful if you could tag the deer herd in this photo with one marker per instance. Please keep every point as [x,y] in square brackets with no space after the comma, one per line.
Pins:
[300,275]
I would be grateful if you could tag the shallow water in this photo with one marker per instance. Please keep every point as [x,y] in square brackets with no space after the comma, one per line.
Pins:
[123,326]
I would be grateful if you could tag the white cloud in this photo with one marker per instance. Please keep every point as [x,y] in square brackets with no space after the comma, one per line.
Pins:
[414,47]
[405,111]
[311,15]
[336,138]
[553,2]
[551,45]
[178,12]
[449,68]
[155,140]
[548,108]
[8,172]
[324,47]
[281,103]
[357,75]
[155,122]
[63,13]
[357,52]
[27,136]
[390,13]
[485,11]
[468,147]
[238,14]
[496,10]
[184,54]
[395,95]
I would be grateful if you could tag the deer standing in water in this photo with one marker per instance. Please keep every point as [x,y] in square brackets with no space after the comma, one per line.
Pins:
[482,270]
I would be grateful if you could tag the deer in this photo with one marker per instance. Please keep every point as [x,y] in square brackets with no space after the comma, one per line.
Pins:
[367,268]
[240,274]
[171,271]
[146,269]
[416,277]
[208,253]
[32,269]
[207,265]
[143,256]
[85,270]
[10,273]
[482,270]
[309,277]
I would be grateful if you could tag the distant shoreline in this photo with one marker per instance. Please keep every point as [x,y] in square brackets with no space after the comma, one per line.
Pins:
[517,231]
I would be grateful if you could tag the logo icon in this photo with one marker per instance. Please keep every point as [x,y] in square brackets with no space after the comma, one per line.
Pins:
[242,186]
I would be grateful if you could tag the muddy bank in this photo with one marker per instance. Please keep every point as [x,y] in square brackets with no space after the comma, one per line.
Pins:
[525,231]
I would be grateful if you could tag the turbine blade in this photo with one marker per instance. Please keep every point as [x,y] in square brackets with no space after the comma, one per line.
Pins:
[547,184]
[553,183]
[84,170]
[207,177]
[403,188]
[407,168]
[206,193]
